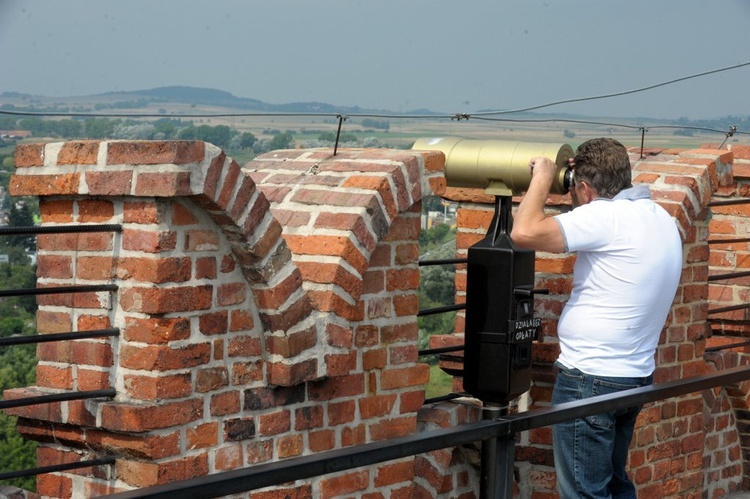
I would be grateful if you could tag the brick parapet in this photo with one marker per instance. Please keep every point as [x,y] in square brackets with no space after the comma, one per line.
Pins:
[265,310]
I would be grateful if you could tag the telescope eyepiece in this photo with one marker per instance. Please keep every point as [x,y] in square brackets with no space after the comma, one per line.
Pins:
[568,180]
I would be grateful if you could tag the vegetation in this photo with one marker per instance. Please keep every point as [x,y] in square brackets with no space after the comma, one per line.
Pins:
[436,289]
[18,362]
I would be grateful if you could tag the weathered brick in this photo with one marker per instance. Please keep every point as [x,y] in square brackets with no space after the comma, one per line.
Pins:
[164,358]
[139,418]
[155,152]
[166,300]
[29,155]
[161,387]
[156,330]
[111,183]
[44,185]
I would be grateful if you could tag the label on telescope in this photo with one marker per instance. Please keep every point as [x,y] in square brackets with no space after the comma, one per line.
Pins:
[522,330]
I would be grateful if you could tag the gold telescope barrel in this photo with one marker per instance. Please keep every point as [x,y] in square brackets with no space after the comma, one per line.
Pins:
[500,167]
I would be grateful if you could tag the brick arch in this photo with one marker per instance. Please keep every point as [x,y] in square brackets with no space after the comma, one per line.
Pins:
[334,211]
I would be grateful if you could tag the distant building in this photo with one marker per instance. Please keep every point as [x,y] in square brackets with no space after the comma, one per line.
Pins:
[14,134]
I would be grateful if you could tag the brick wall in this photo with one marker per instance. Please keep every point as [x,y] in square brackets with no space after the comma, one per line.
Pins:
[269,310]
[265,311]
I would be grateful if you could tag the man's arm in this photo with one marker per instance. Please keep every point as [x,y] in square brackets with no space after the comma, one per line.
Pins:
[532,229]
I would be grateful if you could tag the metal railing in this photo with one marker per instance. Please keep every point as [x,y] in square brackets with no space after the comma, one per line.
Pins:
[66,336]
[502,429]
[442,310]
[740,323]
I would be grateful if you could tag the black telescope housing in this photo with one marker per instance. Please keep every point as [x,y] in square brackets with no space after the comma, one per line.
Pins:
[500,322]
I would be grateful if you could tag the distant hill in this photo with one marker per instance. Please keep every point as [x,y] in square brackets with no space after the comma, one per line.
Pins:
[210,97]
[213,97]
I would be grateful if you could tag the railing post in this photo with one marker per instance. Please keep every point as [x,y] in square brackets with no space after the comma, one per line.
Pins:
[498,460]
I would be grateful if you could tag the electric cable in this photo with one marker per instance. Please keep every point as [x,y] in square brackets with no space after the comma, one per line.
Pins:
[457,116]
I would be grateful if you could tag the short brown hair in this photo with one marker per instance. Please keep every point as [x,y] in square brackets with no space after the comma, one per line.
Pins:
[605,165]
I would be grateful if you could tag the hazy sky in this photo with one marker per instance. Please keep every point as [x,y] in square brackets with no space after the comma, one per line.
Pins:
[445,55]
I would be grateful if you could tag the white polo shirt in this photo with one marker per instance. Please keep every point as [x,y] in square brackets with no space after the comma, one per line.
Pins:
[624,281]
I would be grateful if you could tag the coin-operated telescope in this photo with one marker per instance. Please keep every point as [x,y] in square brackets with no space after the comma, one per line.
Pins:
[500,167]
[500,322]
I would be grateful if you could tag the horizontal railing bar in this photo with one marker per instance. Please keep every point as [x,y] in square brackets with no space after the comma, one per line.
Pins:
[433,351]
[445,398]
[721,320]
[730,202]
[728,346]
[720,241]
[58,397]
[56,468]
[734,275]
[72,335]
[447,261]
[621,400]
[57,290]
[58,229]
[299,468]
[441,310]
[730,308]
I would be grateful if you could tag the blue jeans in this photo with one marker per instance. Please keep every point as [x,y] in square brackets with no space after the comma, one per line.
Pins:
[591,452]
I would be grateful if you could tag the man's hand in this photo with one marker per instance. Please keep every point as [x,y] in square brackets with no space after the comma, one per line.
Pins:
[543,167]
[532,229]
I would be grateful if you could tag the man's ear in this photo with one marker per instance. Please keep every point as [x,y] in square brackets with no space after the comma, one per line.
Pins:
[589,194]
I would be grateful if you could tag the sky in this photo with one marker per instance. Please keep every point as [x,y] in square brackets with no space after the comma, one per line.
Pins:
[450,56]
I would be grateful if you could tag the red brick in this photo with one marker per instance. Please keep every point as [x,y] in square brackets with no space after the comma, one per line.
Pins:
[228,458]
[90,379]
[334,388]
[44,185]
[292,344]
[321,440]
[139,418]
[155,152]
[226,403]
[231,293]
[339,246]
[376,406]
[54,377]
[56,211]
[154,270]
[156,330]
[29,155]
[55,267]
[289,446]
[410,376]
[202,436]
[148,241]
[166,300]
[158,387]
[343,485]
[95,210]
[139,446]
[384,429]
[164,358]
[111,183]
[308,417]
[241,320]
[211,378]
[392,473]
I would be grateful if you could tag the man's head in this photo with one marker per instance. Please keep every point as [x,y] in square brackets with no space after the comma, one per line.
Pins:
[604,165]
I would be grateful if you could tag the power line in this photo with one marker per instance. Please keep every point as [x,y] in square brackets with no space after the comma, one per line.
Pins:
[457,116]
[618,94]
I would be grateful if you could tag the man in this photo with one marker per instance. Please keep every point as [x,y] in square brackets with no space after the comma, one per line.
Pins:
[625,277]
